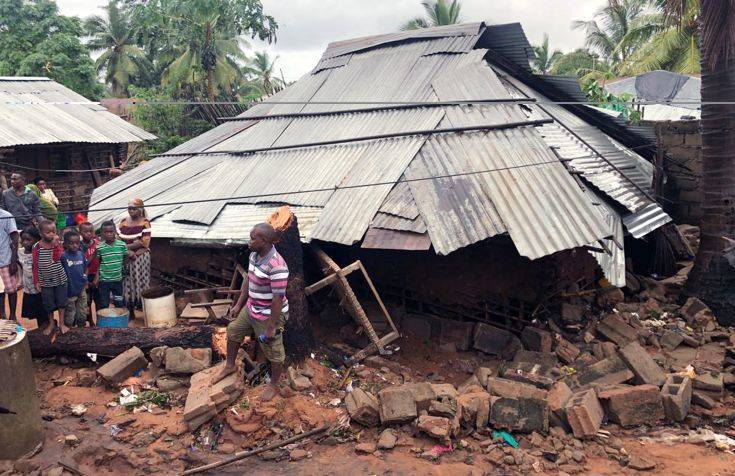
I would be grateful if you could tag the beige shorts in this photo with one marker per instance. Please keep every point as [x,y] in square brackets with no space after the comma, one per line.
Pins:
[245,326]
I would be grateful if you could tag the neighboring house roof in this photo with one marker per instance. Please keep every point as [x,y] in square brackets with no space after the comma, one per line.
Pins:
[525,170]
[682,91]
[42,111]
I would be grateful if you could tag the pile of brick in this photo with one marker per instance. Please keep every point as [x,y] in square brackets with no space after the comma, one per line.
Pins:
[206,400]
[575,383]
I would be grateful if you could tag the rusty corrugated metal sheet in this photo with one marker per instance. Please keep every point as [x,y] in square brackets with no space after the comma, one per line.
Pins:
[387,221]
[40,111]
[400,202]
[381,239]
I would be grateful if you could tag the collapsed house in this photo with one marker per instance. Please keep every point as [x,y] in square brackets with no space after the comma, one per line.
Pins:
[49,130]
[436,156]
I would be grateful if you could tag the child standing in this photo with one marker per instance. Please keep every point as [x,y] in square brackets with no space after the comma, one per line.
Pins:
[89,248]
[32,302]
[75,265]
[49,275]
[112,253]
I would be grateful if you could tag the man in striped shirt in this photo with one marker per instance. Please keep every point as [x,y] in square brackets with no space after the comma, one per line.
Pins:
[266,309]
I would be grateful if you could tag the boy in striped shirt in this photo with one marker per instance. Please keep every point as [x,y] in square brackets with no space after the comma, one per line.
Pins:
[111,253]
[266,310]
[49,275]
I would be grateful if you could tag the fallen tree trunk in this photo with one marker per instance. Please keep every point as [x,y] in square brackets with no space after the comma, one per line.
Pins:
[110,342]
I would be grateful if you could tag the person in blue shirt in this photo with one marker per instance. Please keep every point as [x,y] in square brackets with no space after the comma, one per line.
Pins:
[75,265]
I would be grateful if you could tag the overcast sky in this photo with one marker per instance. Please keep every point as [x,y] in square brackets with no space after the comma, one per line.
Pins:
[307,26]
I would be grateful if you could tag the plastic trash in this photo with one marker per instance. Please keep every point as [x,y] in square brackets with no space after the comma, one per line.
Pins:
[507,437]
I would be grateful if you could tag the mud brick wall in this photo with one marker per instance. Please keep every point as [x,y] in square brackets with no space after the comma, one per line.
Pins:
[682,145]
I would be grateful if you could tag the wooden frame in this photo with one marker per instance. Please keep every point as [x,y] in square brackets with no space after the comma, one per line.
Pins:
[203,293]
[337,278]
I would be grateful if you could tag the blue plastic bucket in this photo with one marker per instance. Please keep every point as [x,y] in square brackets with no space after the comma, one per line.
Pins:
[112,317]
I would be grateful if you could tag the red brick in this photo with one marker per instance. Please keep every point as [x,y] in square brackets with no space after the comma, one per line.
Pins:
[645,369]
[616,330]
[584,414]
[508,388]
[536,339]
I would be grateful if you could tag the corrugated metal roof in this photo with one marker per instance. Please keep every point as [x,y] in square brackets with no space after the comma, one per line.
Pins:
[233,225]
[44,112]
[645,220]
[612,263]
[510,41]
[329,63]
[339,48]
[626,190]
[528,193]
[382,239]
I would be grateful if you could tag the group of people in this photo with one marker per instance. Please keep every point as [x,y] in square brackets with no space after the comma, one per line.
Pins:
[64,271]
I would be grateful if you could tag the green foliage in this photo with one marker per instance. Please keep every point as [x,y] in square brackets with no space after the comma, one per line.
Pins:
[35,40]
[438,13]
[173,124]
[145,397]
[545,58]
[261,69]
[578,63]
[673,46]
[121,59]
[597,94]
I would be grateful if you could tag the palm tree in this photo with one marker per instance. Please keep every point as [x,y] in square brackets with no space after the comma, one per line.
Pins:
[545,59]
[121,59]
[617,30]
[578,63]
[674,45]
[712,277]
[211,55]
[438,13]
[261,67]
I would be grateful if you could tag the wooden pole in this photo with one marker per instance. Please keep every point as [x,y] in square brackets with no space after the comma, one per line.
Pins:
[246,454]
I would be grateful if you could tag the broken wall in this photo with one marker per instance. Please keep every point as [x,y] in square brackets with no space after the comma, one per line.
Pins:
[682,146]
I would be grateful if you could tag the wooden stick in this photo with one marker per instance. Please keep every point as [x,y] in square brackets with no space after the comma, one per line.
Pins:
[246,454]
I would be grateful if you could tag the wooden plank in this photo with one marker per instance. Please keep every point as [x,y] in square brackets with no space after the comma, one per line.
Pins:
[377,296]
[374,347]
[218,302]
[332,278]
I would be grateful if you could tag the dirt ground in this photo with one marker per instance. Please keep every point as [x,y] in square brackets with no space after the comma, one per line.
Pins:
[115,441]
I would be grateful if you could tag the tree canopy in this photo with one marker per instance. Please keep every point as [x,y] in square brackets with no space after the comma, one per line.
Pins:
[438,13]
[37,41]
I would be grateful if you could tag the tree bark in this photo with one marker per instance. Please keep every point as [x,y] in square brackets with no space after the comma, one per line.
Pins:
[299,334]
[713,278]
[110,342]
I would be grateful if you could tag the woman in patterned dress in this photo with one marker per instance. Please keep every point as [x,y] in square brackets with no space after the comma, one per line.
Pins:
[135,231]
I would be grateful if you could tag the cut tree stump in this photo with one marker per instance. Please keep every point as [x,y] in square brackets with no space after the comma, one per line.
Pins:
[111,342]
[299,334]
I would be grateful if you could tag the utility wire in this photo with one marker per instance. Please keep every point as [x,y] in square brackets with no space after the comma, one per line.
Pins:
[296,192]
[135,102]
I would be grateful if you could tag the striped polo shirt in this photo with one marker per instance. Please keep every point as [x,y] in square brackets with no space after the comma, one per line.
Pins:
[267,277]
[111,260]
[50,271]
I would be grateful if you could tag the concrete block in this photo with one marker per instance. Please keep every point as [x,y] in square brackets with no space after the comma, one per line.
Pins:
[642,365]
[521,414]
[546,360]
[677,396]
[396,405]
[558,397]
[363,407]
[703,400]
[609,371]
[508,388]
[671,340]
[571,312]
[633,406]
[460,333]
[422,394]
[474,409]
[444,390]
[484,373]
[181,361]
[584,414]
[536,339]
[123,366]
[439,428]
[691,308]
[603,350]
[712,382]
[495,341]
[529,373]
[614,329]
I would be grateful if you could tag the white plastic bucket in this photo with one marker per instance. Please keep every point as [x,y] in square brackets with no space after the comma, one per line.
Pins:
[159,307]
